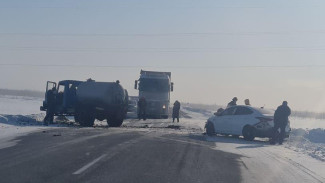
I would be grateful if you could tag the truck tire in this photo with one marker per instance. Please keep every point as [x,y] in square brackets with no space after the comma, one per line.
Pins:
[76,118]
[115,120]
[248,133]
[86,118]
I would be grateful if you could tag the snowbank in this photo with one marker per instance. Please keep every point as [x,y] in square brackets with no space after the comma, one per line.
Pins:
[12,126]
[311,142]
[32,119]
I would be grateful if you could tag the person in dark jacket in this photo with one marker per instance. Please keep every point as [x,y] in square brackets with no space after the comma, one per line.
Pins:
[281,119]
[233,102]
[142,105]
[176,108]
[50,99]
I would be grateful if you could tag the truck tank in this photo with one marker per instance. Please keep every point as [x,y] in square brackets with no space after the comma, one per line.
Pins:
[101,94]
[101,100]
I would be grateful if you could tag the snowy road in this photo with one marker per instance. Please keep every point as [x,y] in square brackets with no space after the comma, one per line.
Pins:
[151,151]
[115,155]
[262,162]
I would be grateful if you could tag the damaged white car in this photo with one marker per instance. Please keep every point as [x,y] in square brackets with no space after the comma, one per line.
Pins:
[246,121]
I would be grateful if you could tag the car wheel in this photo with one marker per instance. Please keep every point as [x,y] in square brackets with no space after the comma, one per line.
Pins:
[210,129]
[248,133]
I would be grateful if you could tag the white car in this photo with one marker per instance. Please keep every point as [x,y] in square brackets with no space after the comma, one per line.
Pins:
[246,121]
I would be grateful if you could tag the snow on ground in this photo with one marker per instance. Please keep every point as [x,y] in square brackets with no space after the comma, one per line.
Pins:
[12,126]
[18,116]
[311,142]
[19,105]
[271,163]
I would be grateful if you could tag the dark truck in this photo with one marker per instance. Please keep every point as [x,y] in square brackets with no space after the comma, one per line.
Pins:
[89,100]
[155,87]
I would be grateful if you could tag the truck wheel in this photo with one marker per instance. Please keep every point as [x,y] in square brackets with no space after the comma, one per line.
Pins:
[248,133]
[76,118]
[210,129]
[86,118]
[115,120]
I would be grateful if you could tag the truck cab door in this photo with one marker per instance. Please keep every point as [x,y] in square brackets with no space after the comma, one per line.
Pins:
[49,86]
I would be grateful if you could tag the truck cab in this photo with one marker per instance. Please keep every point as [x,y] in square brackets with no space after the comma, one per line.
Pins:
[65,96]
[155,87]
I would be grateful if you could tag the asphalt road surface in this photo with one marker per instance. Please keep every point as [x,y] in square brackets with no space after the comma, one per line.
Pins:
[149,151]
[115,155]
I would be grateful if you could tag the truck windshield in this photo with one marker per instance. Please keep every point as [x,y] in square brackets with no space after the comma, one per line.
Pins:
[154,85]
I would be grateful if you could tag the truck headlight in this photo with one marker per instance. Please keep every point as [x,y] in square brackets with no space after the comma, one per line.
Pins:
[164,107]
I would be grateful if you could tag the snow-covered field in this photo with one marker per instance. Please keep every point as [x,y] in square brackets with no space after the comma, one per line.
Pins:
[20,105]
[18,116]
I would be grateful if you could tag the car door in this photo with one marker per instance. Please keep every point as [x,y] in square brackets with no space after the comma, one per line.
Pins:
[223,121]
[241,117]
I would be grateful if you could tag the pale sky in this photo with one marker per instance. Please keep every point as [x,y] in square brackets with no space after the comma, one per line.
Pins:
[267,51]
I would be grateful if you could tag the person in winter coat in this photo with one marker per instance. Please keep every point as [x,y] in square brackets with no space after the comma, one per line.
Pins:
[142,105]
[50,98]
[176,108]
[233,102]
[281,119]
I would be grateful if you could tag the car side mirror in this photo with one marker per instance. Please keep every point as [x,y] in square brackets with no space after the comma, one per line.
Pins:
[172,87]
[136,84]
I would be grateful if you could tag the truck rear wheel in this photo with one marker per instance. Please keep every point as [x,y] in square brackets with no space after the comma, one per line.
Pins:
[76,118]
[86,118]
[115,120]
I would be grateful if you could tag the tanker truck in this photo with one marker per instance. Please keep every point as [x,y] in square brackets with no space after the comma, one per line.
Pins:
[87,101]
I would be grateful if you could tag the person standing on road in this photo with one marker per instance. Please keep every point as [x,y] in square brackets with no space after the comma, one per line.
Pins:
[281,119]
[142,105]
[176,108]
[233,102]
[50,99]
